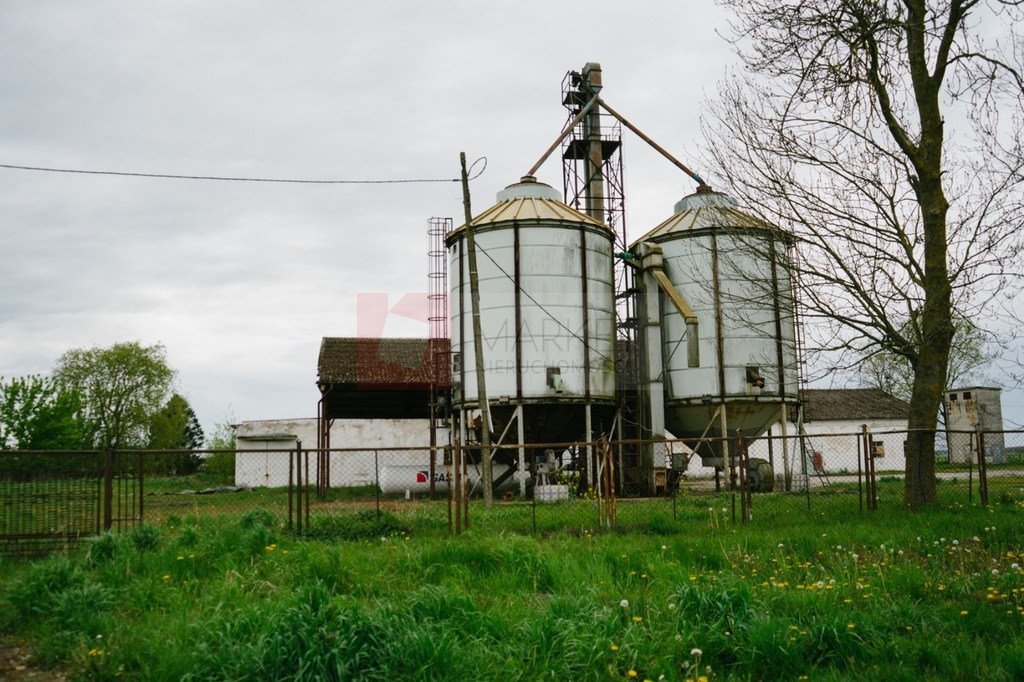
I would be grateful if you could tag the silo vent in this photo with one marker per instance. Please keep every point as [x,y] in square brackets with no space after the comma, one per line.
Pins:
[529,188]
[705,197]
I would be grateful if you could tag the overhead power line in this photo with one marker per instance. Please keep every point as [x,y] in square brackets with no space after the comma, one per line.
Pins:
[221,178]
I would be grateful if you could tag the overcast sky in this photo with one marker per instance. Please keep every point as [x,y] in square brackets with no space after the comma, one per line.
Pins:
[240,281]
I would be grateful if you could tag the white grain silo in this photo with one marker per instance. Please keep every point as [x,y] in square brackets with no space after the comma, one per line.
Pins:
[732,365]
[547,315]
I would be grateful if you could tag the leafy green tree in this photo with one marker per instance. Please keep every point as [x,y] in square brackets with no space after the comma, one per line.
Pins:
[222,462]
[39,413]
[893,373]
[175,427]
[122,388]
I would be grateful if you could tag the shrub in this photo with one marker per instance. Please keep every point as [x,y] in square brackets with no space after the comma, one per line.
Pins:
[144,537]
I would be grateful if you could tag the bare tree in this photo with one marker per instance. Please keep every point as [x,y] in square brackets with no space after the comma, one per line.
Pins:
[885,135]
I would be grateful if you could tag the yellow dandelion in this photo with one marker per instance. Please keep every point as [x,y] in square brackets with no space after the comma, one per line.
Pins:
[637,619]
[614,647]
[631,673]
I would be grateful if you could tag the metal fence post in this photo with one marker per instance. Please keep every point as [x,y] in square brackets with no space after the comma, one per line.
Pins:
[308,502]
[803,469]
[860,466]
[982,469]
[465,488]
[743,472]
[376,473]
[298,486]
[291,485]
[108,489]
[142,492]
[873,481]
[457,493]
[448,461]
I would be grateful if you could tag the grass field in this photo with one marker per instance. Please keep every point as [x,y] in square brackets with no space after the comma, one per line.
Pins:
[674,596]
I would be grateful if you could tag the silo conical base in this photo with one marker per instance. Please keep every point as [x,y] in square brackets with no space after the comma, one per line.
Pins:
[692,421]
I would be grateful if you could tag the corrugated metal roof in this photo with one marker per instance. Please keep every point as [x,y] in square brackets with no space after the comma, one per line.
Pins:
[705,210]
[533,201]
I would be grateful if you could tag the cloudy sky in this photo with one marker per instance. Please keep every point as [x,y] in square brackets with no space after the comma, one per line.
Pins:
[240,281]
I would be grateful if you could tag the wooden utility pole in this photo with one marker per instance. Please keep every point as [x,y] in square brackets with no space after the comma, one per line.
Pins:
[478,346]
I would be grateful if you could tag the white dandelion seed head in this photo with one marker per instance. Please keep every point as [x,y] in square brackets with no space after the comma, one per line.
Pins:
[696,652]
[624,603]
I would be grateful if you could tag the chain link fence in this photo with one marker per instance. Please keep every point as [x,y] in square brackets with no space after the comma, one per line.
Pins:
[52,499]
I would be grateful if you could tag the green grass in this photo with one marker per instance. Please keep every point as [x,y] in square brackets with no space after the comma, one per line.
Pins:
[894,595]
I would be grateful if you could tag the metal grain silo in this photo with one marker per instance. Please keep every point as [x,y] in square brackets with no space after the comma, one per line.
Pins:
[547,314]
[732,365]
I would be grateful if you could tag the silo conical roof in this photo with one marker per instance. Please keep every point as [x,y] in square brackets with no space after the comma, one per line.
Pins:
[703,210]
[529,200]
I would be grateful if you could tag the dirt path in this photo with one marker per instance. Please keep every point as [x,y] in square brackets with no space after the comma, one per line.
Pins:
[14,665]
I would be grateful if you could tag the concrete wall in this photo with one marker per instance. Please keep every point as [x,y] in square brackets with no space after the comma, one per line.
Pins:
[263,447]
[836,441]
[970,409]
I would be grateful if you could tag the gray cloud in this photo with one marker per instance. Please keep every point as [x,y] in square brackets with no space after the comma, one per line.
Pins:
[240,281]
